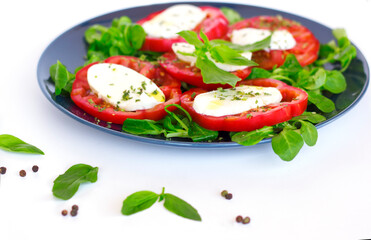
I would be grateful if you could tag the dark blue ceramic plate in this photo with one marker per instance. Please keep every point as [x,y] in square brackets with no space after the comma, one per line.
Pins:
[70,49]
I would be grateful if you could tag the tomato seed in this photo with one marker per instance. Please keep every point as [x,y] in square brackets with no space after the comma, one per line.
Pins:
[2,170]
[64,212]
[35,168]
[22,173]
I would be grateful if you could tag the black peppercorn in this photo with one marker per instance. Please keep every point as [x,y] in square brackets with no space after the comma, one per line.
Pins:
[22,173]
[229,196]
[35,168]
[64,212]
[75,207]
[2,170]
[73,213]
[224,193]
[246,220]
[239,219]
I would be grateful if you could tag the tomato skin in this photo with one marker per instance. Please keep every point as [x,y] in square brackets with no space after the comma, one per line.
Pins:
[305,50]
[215,25]
[85,99]
[294,103]
[191,74]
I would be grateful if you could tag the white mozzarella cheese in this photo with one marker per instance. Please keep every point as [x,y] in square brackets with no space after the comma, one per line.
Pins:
[223,102]
[179,48]
[173,20]
[123,87]
[281,39]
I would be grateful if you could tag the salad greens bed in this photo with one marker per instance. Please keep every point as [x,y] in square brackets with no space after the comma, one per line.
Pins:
[320,79]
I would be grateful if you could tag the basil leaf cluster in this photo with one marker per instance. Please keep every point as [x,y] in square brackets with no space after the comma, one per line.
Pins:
[173,125]
[142,200]
[287,137]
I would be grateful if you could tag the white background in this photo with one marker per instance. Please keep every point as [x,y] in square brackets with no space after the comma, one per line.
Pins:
[324,193]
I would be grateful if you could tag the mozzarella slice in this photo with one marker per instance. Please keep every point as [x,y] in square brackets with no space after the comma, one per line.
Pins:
[223,102]
[173,20]
[123,87]
[246,36]
[180,48]
[281,39]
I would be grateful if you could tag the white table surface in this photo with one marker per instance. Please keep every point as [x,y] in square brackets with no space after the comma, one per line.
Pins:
[324,193]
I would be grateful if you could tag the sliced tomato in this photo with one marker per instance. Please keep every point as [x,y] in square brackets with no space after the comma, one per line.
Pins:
[215,25]
[191,74]
[294,103]
[84,98]
[305,50]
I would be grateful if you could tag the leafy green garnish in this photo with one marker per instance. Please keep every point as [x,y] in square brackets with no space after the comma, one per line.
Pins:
[220,53]
[173,125]
[232,15]
[67,184]
[142,200]
[14,144]
[287,138]
[61,77]
[342,52]
[122,38]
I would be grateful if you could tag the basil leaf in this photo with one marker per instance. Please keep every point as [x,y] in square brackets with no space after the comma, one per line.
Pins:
[142,126]
[253,137]
[209,72]
[259,73]
[309,133]
[323,103]
[14,144]
[67,184]
[226,55]
[61,77]
[335,82]
[231,15]
[192,38]
[180,207]
[138,201]
[312,117]
[198,133]
[260,45]
[313,80]
[287,144]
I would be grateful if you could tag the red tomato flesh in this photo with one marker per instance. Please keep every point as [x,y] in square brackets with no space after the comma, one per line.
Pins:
[305,50]
[215,25]
[293,103]
[84,98]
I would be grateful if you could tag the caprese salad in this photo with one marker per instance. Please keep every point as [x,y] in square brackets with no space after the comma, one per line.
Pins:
[206,73]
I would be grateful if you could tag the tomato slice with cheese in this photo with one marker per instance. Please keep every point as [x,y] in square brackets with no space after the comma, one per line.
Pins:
[92,98]
[293,103]
[306,47]
[214,25]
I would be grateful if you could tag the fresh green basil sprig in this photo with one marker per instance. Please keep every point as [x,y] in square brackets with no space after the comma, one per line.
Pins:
[221,53]
[67,184]
[173,125]
[287,137]
[13,144]
[142,200]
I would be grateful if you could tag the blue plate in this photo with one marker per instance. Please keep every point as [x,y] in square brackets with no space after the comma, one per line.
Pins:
[70,48]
